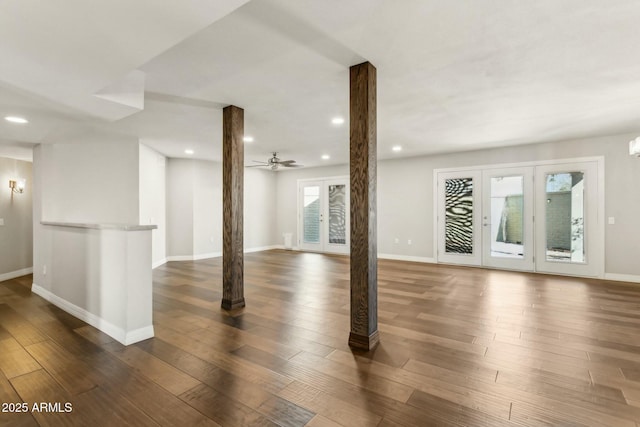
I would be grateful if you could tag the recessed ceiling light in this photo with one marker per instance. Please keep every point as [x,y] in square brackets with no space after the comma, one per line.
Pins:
[188,151]
[248,139]
[397,148]
[326,157]
[337,120]
[15,119]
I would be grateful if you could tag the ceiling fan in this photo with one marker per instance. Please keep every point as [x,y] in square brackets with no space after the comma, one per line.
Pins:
[274,163]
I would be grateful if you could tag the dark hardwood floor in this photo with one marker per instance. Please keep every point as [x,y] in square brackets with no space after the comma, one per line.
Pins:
[459,346]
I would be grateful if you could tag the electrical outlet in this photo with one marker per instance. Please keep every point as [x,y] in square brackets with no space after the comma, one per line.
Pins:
[409,242]
[1,221]
[612,220]
[44,270]
[397,240]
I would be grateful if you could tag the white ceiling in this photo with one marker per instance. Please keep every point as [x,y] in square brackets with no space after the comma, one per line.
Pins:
[452,75]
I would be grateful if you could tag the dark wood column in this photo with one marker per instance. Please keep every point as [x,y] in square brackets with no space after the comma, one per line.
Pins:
[364,246]
[232,207]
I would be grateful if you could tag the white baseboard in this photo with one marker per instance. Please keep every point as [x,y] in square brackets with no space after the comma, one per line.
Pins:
[158,263]
[179,258]
[622,277]
[263,248]
[207,256]
[14,274]
[194,257]
[407,258]
[138,335]
[99,323]
[218,254]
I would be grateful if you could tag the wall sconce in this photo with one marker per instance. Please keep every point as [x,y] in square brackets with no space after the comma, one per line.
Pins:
[634,147]
[17,186]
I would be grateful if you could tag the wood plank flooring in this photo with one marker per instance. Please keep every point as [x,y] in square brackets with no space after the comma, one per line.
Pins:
[459,346]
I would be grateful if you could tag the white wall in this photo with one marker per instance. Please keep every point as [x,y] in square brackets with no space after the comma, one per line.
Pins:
[194,209]
[96,181]
[180,189]
[260,209]
[405,195]
[405,207]
[153,200]
[16,236]
[207,208]
[622,240]
[91,181]
[102,276]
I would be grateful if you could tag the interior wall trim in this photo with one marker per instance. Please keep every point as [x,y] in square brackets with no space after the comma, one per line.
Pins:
[195,257]
[157,264]
[622,277]
[13,274]
[616,277]
[263,248]
[99,323]
[209,255]
[409,258]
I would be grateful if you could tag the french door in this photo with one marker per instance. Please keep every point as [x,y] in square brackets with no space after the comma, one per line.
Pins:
[323,215]
[543,218]
[569,238]
[507,218]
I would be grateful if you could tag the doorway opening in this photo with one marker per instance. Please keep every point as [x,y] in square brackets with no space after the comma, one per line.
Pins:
[323,215]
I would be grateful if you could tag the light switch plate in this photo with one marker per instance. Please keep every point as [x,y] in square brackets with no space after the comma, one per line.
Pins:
[1,221]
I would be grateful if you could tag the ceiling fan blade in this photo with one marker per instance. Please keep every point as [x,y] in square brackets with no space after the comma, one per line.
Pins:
[274,162]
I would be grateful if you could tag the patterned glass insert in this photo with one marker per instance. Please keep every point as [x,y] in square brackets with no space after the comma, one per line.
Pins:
[459,215]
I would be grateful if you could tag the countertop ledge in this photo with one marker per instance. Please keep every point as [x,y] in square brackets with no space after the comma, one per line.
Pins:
[123,227]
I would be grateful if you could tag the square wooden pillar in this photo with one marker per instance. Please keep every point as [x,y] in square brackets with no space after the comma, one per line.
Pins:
[364,248]
[232,207]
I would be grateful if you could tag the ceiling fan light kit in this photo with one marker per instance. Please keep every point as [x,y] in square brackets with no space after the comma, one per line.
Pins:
[274,163]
